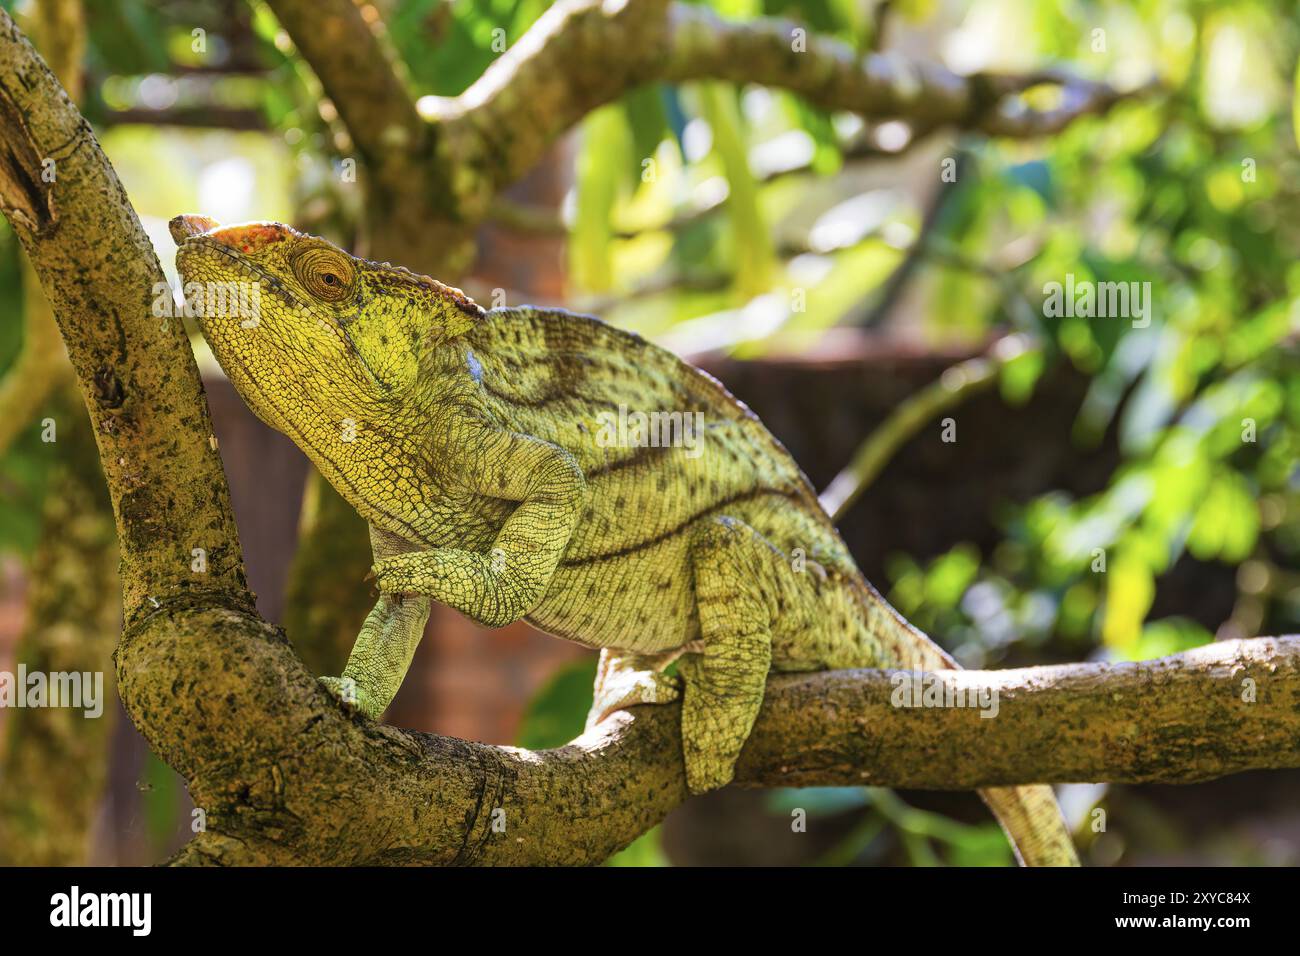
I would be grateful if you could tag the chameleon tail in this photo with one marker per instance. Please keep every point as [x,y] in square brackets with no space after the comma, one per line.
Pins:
[1029,815]
[1031,819]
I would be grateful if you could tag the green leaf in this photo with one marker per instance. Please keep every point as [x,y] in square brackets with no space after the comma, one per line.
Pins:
[1020,374]
[648,120]
[1227,522]
[950,575]
[645,850]
[1130,589]
[558,712]
[1170,635]
[606,156]
[752,239]
[1295,105]
[161,788]
[984,845]
[818,801]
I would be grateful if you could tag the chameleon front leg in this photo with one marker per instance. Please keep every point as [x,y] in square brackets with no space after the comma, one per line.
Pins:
[383,650]
[504,584]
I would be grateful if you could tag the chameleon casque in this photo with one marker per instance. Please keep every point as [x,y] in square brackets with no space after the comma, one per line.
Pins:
[470,442]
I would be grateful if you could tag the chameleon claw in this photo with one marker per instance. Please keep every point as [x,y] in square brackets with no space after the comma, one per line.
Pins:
[345,690]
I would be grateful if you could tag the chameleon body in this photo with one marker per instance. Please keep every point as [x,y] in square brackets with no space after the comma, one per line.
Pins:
[481,447]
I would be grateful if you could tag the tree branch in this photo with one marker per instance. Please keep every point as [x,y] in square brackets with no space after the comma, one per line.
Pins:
[358,76]
[435,171]
[136,372]
[582,54]
[362,793]
[414,208]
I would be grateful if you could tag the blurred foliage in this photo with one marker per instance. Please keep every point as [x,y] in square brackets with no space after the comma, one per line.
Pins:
[884,820]
[1196,198]
[1190,195]
[23,467]
[558,711]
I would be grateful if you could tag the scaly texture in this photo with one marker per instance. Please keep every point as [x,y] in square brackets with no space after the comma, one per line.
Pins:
[501,463]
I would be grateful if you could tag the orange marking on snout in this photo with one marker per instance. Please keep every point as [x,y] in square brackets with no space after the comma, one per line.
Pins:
[252,237]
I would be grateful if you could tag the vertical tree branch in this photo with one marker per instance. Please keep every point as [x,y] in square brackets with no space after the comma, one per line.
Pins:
[136,371]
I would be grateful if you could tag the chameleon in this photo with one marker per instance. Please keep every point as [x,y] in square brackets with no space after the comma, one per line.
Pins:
[480,447]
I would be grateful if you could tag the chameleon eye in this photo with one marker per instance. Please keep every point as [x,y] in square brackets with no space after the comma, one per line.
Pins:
[325,273]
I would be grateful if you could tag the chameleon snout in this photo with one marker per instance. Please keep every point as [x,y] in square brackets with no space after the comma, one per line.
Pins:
[188,225]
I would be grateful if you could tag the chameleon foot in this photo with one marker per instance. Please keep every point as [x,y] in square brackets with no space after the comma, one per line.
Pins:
[353,698]
[625,689]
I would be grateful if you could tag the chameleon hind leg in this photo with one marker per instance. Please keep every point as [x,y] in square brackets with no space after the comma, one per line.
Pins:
[724,682]
[383,650]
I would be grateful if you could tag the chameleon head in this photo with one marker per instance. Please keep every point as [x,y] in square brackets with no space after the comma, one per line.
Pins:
[296,321]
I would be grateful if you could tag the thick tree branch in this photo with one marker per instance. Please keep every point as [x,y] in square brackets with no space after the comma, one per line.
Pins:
[435,171]
[357,75]
[412,207]
[136,371]
[583,53]
[362,793]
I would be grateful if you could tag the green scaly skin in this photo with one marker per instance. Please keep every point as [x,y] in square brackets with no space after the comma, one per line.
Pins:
[472,443]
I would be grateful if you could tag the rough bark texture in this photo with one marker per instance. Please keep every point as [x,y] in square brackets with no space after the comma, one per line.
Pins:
[136,372]
[364,793]
[410,209]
